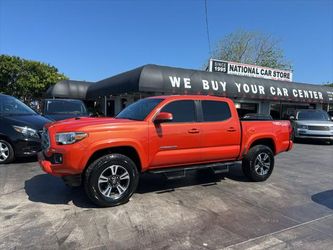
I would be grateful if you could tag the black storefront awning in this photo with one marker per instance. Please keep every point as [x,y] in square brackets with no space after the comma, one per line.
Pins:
[170,80]
[69,89]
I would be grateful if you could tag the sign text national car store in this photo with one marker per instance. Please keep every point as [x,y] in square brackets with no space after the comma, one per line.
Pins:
[241,69]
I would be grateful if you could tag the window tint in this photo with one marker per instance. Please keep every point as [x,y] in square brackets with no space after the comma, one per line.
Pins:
[215,111]
[65,107]
[313,115]
[182,111]
[139,110]
[12,106]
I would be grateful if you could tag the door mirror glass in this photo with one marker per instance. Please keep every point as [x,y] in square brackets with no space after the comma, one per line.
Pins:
[292,117]
[163,117]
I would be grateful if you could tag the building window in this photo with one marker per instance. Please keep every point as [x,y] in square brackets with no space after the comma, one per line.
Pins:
[280,111]
[246,108]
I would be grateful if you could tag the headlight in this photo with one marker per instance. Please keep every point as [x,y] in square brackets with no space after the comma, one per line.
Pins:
[302,126]
[29,132]
[69,137]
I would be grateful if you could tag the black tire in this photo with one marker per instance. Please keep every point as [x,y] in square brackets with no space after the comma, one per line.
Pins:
[251,162]
[102,169]
[8,153]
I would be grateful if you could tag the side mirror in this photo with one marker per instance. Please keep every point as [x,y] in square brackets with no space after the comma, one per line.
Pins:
[163,117]
[292,117]
[91,114]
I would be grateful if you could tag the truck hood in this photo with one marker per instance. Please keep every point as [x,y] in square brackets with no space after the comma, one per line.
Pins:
[89,124]
[314,123]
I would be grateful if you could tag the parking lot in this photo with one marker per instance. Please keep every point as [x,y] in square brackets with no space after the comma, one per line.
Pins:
[293,209]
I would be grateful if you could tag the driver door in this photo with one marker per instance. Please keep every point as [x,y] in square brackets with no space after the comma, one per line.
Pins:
[176,142]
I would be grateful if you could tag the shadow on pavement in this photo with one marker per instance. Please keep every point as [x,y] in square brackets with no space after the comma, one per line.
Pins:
[52,190]
[236,173]
[160,184]
[204,177]
[324,198]
[26,159]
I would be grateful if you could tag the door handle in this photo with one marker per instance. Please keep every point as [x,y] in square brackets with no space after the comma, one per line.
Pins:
[193,131]
[231,129]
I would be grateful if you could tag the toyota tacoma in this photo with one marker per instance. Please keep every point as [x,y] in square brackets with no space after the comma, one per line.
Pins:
[159,134]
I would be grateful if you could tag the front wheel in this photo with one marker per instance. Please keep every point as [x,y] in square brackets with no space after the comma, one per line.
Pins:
[111,180]
[6,152]
[258,164]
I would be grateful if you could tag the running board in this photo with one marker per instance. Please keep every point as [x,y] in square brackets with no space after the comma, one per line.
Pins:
[180,172]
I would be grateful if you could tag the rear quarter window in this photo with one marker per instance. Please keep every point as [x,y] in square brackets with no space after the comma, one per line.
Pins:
[214,111]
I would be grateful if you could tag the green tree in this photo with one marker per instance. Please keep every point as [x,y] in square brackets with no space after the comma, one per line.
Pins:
[251,48]
[26,79]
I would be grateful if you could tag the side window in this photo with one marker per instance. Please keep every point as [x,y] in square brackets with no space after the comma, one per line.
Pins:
[215,111]
[182,111]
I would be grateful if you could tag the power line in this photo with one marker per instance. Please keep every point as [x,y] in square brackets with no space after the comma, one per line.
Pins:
[207,29]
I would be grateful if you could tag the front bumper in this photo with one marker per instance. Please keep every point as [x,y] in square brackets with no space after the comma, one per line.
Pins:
[65,168]
[26,146]
[45,164]
[314,134]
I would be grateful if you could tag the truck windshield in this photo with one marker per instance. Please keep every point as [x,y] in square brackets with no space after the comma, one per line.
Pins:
[313,115]
[139,110]
[65,107]
[11,106]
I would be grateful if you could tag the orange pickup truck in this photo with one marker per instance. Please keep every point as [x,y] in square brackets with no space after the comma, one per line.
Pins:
[161,134]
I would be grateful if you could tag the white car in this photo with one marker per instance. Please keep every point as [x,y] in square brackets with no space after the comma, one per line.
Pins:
[312,124]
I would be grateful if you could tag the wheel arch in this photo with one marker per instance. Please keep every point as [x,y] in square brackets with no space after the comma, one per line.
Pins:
[269,142]
[4,137]
[128,151]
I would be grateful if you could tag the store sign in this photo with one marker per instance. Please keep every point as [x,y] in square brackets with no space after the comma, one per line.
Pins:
[241,69]
[242,89]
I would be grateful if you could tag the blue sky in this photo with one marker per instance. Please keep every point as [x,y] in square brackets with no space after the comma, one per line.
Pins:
[92,40]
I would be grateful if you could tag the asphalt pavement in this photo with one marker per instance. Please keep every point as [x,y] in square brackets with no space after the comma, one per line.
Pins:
[293,209]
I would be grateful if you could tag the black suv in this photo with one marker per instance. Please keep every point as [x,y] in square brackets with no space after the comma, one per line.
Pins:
[19,130]
[61,109]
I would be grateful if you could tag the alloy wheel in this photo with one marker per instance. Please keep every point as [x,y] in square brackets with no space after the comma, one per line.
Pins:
[114,181]
[262,164]
[4,152]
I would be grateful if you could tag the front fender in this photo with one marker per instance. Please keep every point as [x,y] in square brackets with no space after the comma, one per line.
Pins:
[112,143]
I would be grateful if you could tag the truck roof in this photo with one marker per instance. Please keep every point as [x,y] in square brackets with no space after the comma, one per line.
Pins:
[190,97]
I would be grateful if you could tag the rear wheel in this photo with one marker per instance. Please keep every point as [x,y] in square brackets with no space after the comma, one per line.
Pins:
[258,164]
[111,180]
[6,152]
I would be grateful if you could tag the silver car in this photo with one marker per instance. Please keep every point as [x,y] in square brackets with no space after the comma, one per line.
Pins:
[312,124]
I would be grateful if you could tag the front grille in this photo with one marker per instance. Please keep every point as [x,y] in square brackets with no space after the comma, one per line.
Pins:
[322,128]
[307,135]
[45,139]
[40,132]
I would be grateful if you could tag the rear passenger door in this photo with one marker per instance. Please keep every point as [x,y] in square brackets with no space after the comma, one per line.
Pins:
[176,142]
[221,131]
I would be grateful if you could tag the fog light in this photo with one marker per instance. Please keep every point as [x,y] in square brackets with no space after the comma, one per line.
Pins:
[57,158]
